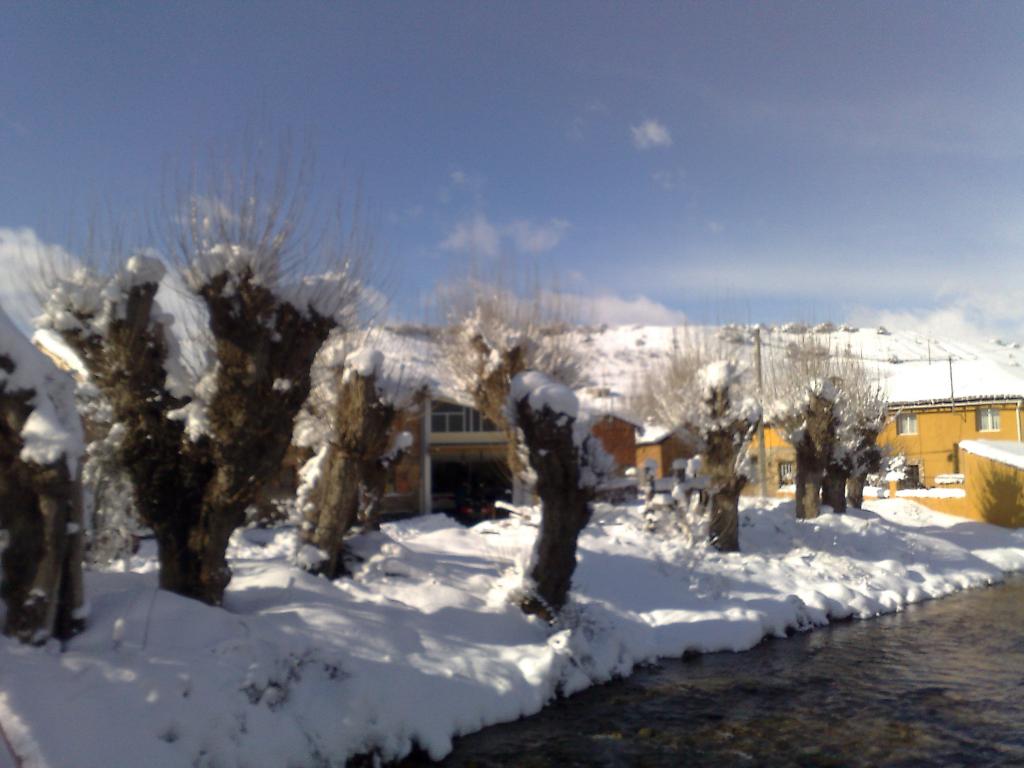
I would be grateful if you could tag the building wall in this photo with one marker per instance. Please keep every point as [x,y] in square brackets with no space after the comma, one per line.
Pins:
[939,430]
[407,472]
[619,439]
[995,491]
[662,454]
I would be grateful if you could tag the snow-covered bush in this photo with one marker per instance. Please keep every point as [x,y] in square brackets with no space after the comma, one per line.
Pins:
[40,498]
[349,422]
[569,463]
[206,416]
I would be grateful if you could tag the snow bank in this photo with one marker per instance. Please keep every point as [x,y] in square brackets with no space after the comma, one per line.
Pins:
[932,493]
[422,644]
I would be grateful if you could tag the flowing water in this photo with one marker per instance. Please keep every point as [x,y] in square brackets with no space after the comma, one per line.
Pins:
[939,684]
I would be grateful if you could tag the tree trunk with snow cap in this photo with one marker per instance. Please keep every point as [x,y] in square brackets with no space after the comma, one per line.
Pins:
[40,495]
[353,412]
[568,463]
[358,440]
[813,448]
[265,348]
[725,423]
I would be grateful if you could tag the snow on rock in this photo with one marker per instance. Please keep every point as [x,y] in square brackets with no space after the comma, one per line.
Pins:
[53,429]
[543,391]
[422,643]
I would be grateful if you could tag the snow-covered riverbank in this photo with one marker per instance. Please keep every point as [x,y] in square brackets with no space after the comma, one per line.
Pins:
[423,644]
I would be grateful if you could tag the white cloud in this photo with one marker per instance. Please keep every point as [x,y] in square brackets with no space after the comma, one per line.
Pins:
[972,316]
[476,236]
[616,310]
[480,237]
[458,178]
[650,134]
[537,238]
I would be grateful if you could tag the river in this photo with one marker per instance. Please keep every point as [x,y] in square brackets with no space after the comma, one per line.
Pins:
[941,683]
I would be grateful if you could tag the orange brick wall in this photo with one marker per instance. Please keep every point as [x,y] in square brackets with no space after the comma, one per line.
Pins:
[619,439]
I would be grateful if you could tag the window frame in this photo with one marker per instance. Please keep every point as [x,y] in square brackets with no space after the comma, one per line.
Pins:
[458,419]
[993,415]
[787,478]
[911,418]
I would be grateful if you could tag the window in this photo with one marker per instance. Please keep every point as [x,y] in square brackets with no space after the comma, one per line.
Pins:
[911,477]
[906,424]
[987,419]
[449,417]
[787,473]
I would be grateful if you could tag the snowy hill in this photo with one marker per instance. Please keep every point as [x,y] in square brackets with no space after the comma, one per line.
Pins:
[914,368]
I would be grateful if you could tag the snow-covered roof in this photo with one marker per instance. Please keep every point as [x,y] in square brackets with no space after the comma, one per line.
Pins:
[1004,451]
[969,380]
[653,434]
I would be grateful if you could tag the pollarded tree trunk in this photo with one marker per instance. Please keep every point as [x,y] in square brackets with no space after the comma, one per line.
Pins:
[724,444]
[833,487]
[265,349]
[855,490]
[809,472]
[724,529]
[331,510]
[565,506]
[813,449]
[41,510]
[361,435]
[193,490]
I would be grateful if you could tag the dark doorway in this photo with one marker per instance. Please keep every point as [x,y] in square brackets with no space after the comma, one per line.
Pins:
[466,489]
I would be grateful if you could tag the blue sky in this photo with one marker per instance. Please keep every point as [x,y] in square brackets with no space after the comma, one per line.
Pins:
[722,161]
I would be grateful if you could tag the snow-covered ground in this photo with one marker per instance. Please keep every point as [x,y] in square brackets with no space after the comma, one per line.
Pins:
[423,643]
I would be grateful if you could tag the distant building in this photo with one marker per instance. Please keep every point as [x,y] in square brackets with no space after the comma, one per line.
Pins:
[933,408]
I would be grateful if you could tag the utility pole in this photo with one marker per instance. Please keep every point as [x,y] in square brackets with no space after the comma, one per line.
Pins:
[762,461]
[952,397]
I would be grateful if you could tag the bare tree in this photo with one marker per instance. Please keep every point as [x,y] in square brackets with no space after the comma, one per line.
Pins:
[711,404]
[40,494]
[802,383]
[569,463]
[861,404]
[205,426]
[725,421]
[493,335]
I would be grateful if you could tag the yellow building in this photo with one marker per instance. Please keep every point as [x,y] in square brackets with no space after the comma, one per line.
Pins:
[934,407]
